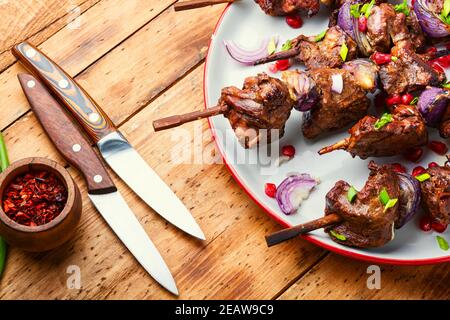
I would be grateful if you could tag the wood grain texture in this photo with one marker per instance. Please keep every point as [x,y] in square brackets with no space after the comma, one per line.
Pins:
[194,4]
[66,136]
[337,277]
[101,30]
[70,94]
[35,20]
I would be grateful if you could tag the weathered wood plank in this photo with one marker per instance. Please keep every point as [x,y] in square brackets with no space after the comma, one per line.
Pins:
[35,21]
[233,263]
[102,29]
[337,277]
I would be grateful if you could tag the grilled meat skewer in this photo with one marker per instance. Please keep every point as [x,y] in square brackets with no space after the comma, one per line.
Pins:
[317,54]
[390,135]
[363,222]
[261,106]
[286,7]
[436,194]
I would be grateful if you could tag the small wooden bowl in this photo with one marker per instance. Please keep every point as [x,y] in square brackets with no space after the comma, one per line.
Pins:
[52,234]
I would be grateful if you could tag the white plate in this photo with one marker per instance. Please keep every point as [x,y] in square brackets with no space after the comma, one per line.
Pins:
[245,23]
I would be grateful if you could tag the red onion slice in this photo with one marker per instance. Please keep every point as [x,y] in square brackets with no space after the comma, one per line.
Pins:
[432,105]
[428,20]
[410,195]
[293,190]
[246,56]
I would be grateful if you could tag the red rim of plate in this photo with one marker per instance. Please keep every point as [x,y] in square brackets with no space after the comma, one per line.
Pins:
[273,215]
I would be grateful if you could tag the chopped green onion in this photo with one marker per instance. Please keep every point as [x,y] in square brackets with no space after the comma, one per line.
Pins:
[423,177]
[320,36]
[338,236]
[384,120]
[272,47]
[402,7]
[390,204]
[4,163]
[443,244]
[444,19]
[384,197]
[354,10]
[446,85]
[446,10]
[394,58]
[344,51]
[351,194]
[366,8]
[286,46]
[414,101]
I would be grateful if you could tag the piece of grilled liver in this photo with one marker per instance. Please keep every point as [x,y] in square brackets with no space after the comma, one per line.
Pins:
[406,130]
[436,194]
[408,73]
[334,111]
[286,7]
[367,223]
[263,103]
[444,128]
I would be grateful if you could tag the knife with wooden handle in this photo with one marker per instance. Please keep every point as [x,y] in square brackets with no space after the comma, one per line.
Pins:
[72,144]
[114,148]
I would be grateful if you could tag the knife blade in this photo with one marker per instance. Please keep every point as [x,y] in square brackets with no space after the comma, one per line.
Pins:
[75,148]
[114,148]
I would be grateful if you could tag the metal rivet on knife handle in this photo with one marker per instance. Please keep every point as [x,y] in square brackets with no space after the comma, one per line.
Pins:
[71,95]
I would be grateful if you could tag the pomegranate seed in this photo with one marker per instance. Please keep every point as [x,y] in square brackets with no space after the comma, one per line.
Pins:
[431,50]
[438,147]
[418,171]
[270,189]
[397,167]
[443,61]
[438,227]
[273,68]
[282,65]
[414,154]
[288,151]
[381,58]
[425,223]
[294,21]
[436,66]
[407,98]
[393,100]
[433,165]
[362,24]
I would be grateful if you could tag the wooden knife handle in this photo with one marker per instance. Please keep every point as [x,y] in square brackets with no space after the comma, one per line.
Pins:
[66,135]
[74,98]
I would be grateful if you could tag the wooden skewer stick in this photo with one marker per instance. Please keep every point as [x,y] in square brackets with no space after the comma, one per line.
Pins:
[289,233]
[178,120]
[193,4]
[343,144]
[278,56]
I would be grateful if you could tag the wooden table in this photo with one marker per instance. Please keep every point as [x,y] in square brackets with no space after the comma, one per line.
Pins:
[140,60]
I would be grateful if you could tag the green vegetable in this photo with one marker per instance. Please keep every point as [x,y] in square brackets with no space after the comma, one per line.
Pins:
[394,58]
[414,101]
[384,120]
[446,85]
[338,236]
[384,197]
[344,51]
[402,7]
[272,47]
[444,19]
[351,194]
[320,36]
[4,163]
[366,8]
[443,244]
[354,10]
[286,46]
[446,10]
[390,204]
[423,177]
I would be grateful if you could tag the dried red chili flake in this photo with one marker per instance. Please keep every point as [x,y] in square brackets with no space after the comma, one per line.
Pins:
[34,198]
